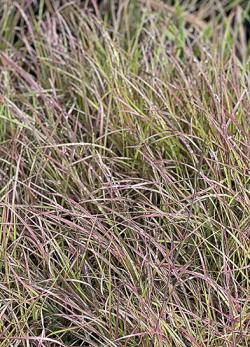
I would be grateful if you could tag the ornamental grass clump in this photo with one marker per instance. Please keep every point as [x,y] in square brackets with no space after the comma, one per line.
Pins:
[125,176]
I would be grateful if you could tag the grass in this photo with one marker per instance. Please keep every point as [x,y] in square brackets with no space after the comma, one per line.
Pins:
[125,177]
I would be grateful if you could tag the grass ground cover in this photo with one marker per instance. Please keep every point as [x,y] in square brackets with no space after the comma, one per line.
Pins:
[125,176]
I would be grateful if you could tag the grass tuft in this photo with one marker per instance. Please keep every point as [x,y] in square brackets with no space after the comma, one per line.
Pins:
[125,176]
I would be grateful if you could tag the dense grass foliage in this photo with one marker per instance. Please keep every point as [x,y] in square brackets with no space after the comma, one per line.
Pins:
[125,176]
